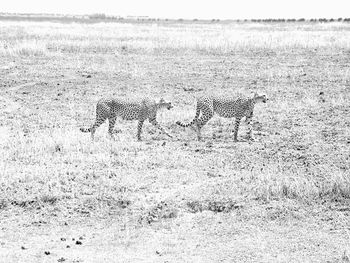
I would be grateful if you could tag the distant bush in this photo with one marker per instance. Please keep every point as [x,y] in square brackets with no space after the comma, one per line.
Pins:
[340,19]
[97,16]
[301,20]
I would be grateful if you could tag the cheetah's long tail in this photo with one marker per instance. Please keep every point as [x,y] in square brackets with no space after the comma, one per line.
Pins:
[192,122]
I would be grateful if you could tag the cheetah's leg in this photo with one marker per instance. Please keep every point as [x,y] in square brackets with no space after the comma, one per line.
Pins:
[250,127]
[139,129]
[235,134]
[101,116]
[111,124]
[207,114]
[156,124]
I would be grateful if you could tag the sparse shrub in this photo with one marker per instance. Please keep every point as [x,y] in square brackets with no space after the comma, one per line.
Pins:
[3,204]
[216,206]
[24,203]
[49,199]
[58,147]
[345,257]
[163,210]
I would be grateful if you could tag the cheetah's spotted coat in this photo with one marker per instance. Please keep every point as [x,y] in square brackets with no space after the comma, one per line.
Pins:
[141,110]
[227,107]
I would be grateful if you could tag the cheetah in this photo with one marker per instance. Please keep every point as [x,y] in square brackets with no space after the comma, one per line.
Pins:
[227,107]
[128,109]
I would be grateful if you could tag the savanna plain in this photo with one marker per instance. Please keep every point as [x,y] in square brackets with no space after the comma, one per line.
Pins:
[281,198]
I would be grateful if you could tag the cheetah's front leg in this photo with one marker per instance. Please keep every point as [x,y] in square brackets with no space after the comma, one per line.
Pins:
[250,127]
[235,134]
[111,126]
[139,129]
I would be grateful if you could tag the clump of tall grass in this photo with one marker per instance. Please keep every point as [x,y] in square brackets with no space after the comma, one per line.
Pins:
[23,48]
[39,38]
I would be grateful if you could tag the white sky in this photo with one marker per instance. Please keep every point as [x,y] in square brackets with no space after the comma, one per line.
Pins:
[223,9]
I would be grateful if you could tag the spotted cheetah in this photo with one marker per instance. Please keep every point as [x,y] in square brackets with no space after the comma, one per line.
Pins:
[128,109]
[227,107]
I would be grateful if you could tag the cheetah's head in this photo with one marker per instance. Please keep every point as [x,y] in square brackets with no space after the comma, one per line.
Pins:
[260,98]
[165,104]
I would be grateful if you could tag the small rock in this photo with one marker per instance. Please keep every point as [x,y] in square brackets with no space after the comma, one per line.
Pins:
[22,247]
[188,89]
[63,239]
[163,144]
[238,205]
[47,252]
[78,242]
[68,246]
[61,259]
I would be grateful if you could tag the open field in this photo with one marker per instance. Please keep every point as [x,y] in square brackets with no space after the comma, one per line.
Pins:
[282,198]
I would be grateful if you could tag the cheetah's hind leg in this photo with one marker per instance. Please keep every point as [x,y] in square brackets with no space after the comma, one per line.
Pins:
[111,129]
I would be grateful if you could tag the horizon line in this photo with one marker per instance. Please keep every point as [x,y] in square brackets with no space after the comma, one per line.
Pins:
[100,15]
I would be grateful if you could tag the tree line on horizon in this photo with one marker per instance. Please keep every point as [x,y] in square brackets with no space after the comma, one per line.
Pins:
[266,20]
[101,16]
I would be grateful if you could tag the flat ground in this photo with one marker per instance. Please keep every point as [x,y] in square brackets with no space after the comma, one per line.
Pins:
[282,198]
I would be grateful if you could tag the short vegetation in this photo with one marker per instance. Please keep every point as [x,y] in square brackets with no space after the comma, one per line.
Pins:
[284,196]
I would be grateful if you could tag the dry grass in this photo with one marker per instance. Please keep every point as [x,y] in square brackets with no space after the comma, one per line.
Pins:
[217,197]
[58,38]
